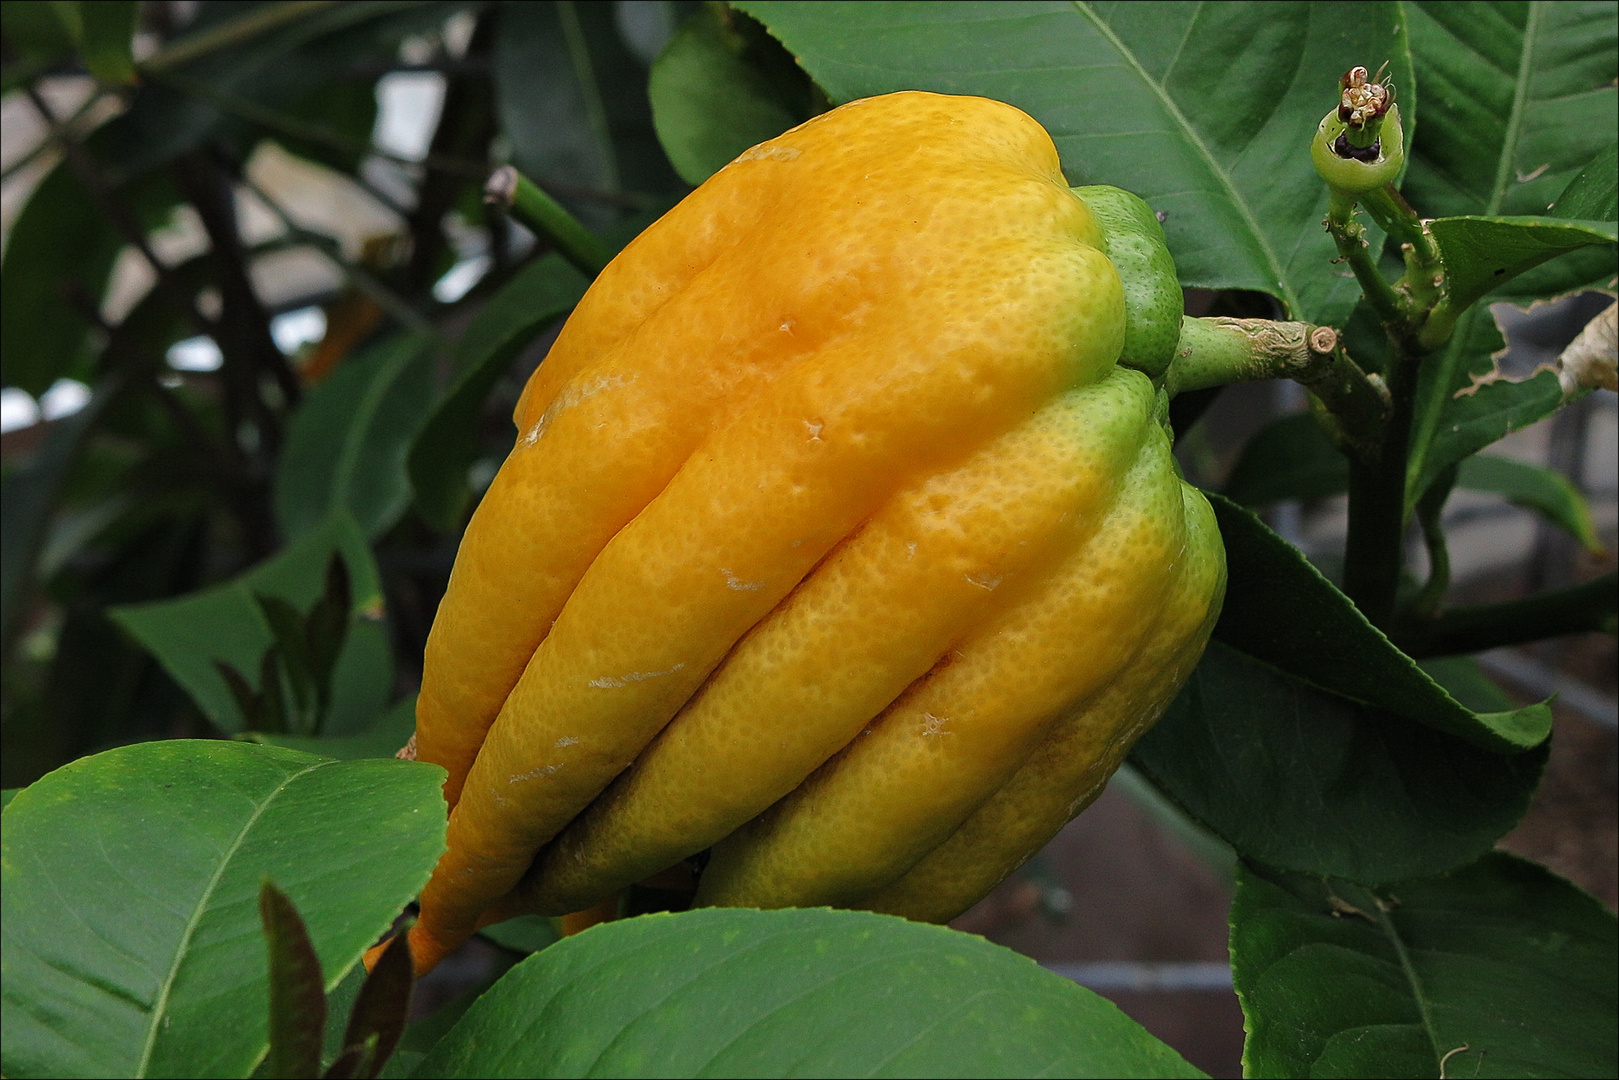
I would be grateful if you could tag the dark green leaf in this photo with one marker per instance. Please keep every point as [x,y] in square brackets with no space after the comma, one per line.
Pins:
[347,443]
[7,795]
[1531,486]
[297,989]
[1516,100]
[59,243]
[224,623]
[1465,681]
[1279,609]
[1289,459]
[730,992]
[35,29]
[1498,969]
[28,495]
[326,628]
[712,99]
[1292,776]
[287,625]
[132,944]
[524,934]
[1140,96]
[387,734]
[108,30]
[1483,253]
[447,444]
[1481,408]
[1593,195]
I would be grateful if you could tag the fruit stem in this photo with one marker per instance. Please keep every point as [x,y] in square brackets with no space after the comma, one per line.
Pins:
[545,216]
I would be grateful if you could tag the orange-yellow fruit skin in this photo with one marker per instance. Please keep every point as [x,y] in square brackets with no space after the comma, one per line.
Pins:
[701,557]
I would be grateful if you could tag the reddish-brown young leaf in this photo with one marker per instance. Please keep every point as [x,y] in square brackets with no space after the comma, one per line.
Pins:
[297,990]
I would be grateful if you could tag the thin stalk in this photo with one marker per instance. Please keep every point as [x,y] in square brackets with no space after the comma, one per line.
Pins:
[544,215]
[1583,608]
[1429,510]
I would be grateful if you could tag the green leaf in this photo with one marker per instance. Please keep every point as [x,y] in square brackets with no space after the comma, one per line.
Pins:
[7,795]
[712,98]
[524,934]
[60,242]
[446,444]
[1295,777]
[1280,610]
[573,103]
[1480,408]
[188,634]
[108,30]
[297,989]
[1542,490]
[1141,96]
[1499,969]
[732,992]
[1593,195]
[1516,100]
[347,443]
[1523,99]
[384,738]
[35,30]
[132,944]
[28,495]
[1289,459]
[1483,253]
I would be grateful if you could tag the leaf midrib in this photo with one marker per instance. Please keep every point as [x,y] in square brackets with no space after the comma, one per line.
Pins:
[1272,265]
[1520,92]
[160,1006]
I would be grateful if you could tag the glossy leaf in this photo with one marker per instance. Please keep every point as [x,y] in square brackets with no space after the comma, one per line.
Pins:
[1483,253]
[733,992]
[711,100]
[446,444]
[225,624]
[1140,95]
[1293,776]
[348,441]
[1499,969]
[133,945]
[1546,492]
[1593,195]
[1280,610]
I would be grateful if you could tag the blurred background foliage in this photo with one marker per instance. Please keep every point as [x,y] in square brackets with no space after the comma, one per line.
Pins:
[253,292]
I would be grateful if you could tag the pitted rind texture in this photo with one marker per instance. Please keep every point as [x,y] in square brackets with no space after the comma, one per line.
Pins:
[955,738]
[1153,303]
[839,315]
[916,581]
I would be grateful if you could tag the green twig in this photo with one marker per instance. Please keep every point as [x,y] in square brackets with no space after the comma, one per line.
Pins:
[1577,609]
[234,31]
[1216,351]
[544,215]
[1429,510]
